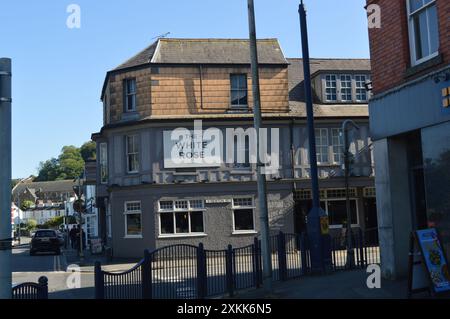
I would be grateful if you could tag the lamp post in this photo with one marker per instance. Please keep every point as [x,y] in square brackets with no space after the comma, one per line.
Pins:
[350,263]
[5,179]
[319,252]
[261,178]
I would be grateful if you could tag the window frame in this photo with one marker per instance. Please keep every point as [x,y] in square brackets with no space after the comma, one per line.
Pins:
[340,88]
[321,129]
[367,93]
[136,153]
[327,87]
[132,212]
[173,211]
[234,208]
[239,106]
[127,94]
[340,145]
[103,162]
[412,33]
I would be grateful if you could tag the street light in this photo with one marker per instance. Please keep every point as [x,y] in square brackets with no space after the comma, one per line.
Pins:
[350,253]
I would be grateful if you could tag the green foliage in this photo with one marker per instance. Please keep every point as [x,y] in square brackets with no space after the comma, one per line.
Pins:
[54,222]
[26,204]
[31,225]
[88,151]
[68,165]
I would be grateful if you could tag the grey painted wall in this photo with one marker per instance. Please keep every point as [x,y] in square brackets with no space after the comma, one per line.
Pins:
[412,107]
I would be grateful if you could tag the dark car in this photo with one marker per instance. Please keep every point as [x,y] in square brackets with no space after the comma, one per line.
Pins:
[45,241]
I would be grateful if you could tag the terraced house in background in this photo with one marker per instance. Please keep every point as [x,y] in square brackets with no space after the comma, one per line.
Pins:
[147,200]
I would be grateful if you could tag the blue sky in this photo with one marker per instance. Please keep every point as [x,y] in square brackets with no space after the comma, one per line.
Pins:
[58,72]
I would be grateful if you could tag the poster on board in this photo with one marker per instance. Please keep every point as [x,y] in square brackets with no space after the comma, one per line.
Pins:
[434,259]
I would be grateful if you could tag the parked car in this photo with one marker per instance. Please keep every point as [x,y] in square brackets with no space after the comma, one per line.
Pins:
[45,240]
[61,237]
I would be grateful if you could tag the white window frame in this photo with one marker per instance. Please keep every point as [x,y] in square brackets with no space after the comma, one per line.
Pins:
[412,33]
[321,129]
[329,87]
[339,146]
[363,87]
[103,161]
[135,153]
[175,210]
[132,212]
[339,84]
[239,207]
[129,93]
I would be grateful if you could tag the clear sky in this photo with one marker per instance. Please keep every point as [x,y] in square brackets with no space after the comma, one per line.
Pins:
[58,72]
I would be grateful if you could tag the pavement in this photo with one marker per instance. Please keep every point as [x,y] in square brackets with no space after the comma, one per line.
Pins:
[338,285]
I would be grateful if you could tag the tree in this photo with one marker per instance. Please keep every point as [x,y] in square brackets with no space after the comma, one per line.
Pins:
[55,222]
[48,170]
[31,225]
[88,151]
[26,204]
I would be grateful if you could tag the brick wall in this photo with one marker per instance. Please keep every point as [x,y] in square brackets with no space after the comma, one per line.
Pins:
[389,45]
[181,90]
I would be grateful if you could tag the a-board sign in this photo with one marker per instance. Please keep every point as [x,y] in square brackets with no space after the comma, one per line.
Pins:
[428,266]
[434,259]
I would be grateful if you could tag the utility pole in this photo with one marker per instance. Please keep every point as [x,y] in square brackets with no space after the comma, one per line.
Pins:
[81,222]
[5,179]
[317,215]
[261,178]
[350,263]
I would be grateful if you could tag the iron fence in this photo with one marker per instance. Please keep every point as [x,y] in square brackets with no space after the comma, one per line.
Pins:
[188,272]
[31,290]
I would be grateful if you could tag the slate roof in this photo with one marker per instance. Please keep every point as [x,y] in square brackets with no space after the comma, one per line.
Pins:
[64,186]
[296,87]
[206,51]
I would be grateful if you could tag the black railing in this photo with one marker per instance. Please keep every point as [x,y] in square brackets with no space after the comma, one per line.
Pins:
[192,272]
[365,249]
[31,290]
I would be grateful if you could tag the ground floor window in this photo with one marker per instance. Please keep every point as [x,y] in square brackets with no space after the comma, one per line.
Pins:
[181,217]
[133,219]
[243,215]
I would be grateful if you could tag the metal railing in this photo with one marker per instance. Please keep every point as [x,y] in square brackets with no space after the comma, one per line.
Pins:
[31,290]
[192,272]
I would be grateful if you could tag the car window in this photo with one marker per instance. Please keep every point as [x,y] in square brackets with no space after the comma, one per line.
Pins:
[45,234]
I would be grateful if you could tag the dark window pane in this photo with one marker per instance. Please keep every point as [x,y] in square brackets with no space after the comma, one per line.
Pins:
[182,223]
[337,212]
[243,219]
[434,32]
[197,222]
[167,223]
[134,224]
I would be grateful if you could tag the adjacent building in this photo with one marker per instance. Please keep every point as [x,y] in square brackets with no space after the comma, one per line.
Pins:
[151,189]
[410,124]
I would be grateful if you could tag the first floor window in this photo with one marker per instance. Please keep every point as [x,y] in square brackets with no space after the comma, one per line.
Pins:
[423,29]
[239,90]
[181,217]
[336,139]
[132,149]
[133,219]
[322,145]
[103,160]
[243,215]
[130,95]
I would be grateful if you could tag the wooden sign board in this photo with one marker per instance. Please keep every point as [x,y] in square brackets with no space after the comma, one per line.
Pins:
[428,266]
